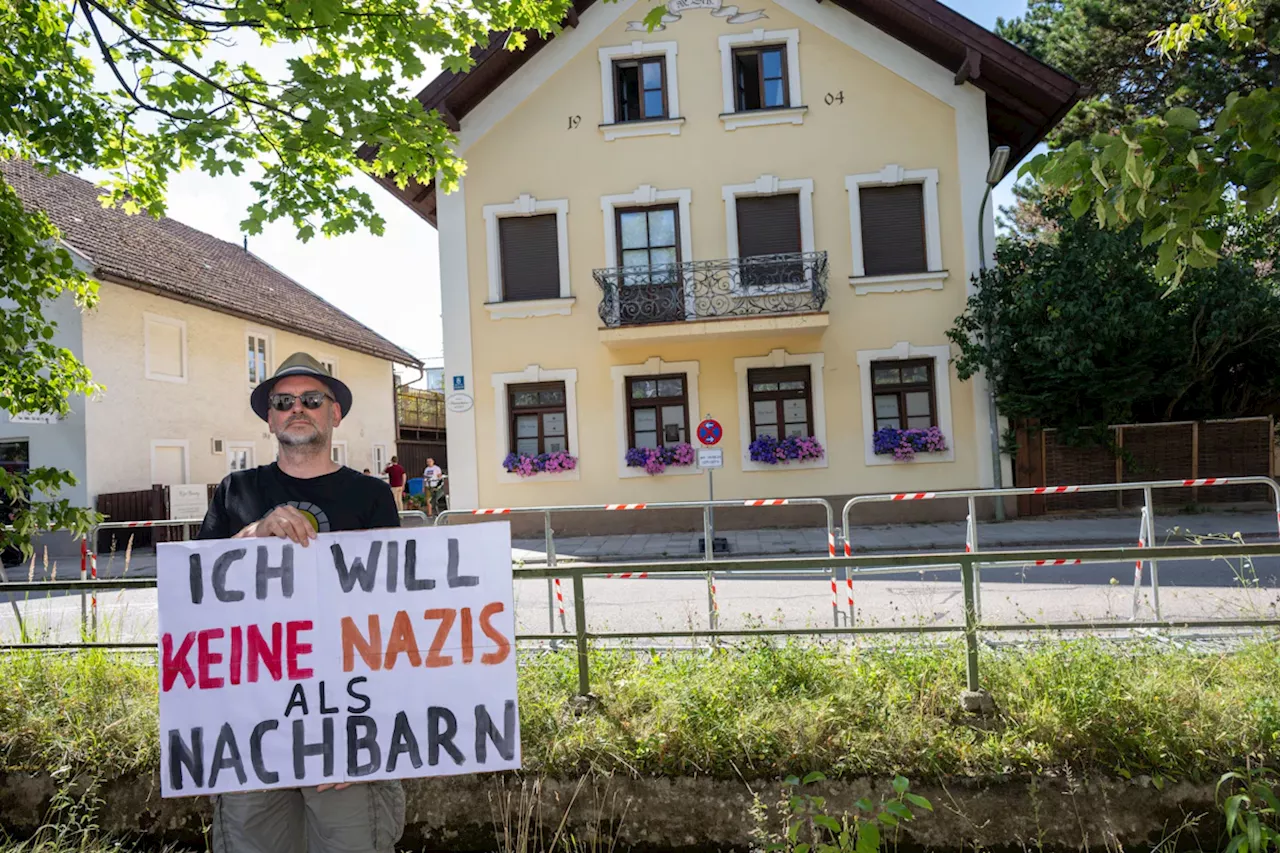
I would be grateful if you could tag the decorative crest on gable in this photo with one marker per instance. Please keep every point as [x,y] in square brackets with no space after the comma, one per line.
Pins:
[716,7]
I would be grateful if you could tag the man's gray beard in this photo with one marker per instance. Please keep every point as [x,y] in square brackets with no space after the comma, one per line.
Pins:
[288,439]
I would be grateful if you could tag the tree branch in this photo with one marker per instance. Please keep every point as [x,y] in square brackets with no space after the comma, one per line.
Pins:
[111,63]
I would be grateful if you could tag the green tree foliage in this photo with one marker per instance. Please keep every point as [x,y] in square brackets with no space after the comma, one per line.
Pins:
[1107,46]
[1177,159]
[1084,335]
[142,89]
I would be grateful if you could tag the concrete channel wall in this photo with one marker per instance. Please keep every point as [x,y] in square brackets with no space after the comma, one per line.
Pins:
[512,813]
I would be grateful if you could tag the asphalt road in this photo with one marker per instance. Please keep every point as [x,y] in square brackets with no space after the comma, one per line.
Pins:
[1190,589]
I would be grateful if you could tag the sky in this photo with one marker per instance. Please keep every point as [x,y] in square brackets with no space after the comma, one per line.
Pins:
[390,283]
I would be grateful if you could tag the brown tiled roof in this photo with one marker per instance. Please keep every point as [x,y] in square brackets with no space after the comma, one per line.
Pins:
[1025,97]
[174,260]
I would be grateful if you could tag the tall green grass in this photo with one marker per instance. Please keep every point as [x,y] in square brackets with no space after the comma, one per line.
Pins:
[760,710]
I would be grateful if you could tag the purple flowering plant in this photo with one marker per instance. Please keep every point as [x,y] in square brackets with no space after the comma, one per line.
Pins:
[904,444]
[793,448]
[526,465]
[655,460]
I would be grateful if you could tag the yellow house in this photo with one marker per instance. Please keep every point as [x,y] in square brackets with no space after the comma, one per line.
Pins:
[766,213]
[185,327]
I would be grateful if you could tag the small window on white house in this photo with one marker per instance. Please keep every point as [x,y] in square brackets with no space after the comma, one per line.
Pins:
[259,357]
[239,457]
[379,459]
[331,365]
[165,342]
[339,452]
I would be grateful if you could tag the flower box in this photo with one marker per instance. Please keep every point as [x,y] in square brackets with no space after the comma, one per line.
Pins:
[524,465]
[904,444]
[655,460]
[774,451]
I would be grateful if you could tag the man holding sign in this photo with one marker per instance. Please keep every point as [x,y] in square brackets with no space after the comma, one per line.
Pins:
[301,495]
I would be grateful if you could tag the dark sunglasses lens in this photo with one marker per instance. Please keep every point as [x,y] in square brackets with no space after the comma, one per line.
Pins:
[282,402]
[313,399]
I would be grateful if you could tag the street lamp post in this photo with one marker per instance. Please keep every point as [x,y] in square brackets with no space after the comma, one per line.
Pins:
[995,171]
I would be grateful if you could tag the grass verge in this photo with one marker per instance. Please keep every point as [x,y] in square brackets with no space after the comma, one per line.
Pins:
[758,710]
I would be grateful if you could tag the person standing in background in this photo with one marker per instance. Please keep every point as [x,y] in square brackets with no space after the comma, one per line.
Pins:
[395,479]
[433,475]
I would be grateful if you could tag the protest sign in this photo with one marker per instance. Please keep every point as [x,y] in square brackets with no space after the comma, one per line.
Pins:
[381,654]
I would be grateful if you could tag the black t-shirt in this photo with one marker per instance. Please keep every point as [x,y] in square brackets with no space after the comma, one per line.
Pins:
[343,500]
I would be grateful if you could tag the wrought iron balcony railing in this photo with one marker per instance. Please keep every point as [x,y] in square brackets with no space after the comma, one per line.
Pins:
[767,285]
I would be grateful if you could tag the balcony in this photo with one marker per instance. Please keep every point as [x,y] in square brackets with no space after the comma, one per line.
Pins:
[748,296]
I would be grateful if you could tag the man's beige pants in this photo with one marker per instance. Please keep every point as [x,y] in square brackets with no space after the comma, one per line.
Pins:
[364,818]
[397,492]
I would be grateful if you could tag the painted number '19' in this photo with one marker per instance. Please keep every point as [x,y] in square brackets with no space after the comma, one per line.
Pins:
[574,121]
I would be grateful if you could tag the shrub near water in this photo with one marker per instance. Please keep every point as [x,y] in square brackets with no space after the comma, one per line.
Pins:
[765,711]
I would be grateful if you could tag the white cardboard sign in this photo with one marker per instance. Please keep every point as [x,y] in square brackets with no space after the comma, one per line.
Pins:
[381,654]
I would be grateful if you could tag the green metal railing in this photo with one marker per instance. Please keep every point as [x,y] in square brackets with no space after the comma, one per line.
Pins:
[861,567]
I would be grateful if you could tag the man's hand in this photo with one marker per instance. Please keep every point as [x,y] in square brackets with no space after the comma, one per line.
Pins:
[338,786]
[284,522]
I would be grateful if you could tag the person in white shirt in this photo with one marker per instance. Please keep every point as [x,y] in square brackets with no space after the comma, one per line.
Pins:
[434,477]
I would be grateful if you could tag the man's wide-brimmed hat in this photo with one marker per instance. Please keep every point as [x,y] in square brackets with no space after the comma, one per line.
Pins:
[299,364]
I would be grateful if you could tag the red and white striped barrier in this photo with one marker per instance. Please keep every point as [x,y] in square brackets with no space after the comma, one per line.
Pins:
[560,604]
[915,496]
[1056,490]
[767,502]
[627,575]
[624,506]
[503,511]
[1059,562]
[1208,481]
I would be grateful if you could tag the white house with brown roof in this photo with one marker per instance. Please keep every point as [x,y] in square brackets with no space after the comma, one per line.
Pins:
[185,327]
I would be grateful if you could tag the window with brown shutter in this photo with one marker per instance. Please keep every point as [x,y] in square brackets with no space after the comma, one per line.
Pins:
[530,249]
[769,225]
[893,241]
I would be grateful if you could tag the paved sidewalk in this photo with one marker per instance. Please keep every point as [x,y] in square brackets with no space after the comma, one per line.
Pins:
[1094,531]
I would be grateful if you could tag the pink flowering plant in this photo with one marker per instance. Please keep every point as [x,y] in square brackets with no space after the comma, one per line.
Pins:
[793,448]
[655,460]
[526,465]
[904,444]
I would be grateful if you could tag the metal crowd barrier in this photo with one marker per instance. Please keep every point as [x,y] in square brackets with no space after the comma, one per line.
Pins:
[1146,534]
[972,627]
[555,596]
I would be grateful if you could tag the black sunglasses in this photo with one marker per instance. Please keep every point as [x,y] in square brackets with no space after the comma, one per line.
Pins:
[310,400]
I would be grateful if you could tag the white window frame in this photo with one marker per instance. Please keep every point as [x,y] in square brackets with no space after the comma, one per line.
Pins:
[526,205]
[231,446]
[815,361]
[331,360]
[378,466]
[767,185]
[793,114]
[646,195]
[180,443]
[339,445]
[653,367]
[894,175]
[610,127]
[502,422]
[147,319]
[902,351]
[252,332]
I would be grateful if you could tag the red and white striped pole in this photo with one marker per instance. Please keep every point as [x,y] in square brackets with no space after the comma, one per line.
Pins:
[1137,566]
[560,605]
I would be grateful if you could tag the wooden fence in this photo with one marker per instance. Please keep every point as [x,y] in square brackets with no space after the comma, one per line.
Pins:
[1172,451]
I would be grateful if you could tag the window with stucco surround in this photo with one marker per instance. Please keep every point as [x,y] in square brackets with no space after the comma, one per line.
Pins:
[808,408]
[760,79]
[639,90]
[527,250]
[165,348]
[257,355]
[515,411]
[895,230]
[919,391]
[655,402]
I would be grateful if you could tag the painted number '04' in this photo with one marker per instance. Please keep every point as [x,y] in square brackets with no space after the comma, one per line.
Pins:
[834,98]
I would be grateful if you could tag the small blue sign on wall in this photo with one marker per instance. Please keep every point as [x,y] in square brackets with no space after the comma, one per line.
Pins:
[459,383]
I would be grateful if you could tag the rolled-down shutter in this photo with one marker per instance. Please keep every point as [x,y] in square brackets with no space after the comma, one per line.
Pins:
[768,225]
[530,257]
[893,229]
